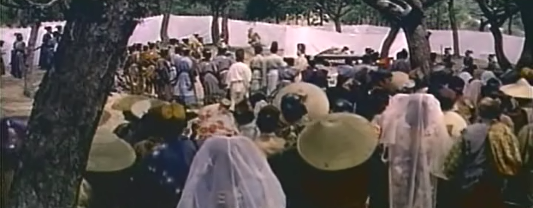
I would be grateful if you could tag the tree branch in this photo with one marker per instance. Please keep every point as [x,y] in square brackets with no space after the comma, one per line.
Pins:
[430,3]
[30,3]
[10,5]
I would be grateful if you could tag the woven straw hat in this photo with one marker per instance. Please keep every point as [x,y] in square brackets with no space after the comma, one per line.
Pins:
[125,102]
[338,141]
[520,89]
[315,100]
[399,80]
[109,153]
[141,107]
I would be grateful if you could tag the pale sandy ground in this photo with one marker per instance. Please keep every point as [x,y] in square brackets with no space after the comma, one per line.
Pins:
[12,100]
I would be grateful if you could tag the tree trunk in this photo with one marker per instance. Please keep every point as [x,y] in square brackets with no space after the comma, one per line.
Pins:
[419,49]
[526,58]
[389,40]
[165,40]
[498,47]
[70,99]
[510,25]
[225,23]
[338,27]
[453,25]
[27,68]
[215,27]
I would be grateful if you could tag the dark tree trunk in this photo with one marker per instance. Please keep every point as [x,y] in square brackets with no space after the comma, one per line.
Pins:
[389,40]
[164,30]
[482,25]
[419,49]
[498,47]
[215,27]
[337,22]
[526,58]
[29,65]
[225,24]
[70,99]
[453,25]
[510,25]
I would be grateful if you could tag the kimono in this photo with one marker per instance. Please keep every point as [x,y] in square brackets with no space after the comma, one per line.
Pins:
[47,51]
[258,66]
[161,175]
[213,92]
[18,59]
[184,87]
[273,64]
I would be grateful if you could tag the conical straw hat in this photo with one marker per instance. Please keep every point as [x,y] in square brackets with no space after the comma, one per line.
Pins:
[141,107]
[315,99]
[399,80]
[124,103]
[520,89]
[338,141]
[109,153]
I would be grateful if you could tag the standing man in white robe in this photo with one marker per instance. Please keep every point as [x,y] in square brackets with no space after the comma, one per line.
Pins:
[238,79]
[274,63]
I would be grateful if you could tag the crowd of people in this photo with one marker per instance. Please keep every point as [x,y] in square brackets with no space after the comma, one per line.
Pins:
[208,131]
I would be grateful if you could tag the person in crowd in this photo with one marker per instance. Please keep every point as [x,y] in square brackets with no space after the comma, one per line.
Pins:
[402,62]
[47,49]
[18,56]
[486,154]
[184,87]
[274,63]
[231,172]
[211,84]
[258,66]
[268,119]
[417,143]
[222,62]
[238,79]
[301,62]
[468,60]
[2,62]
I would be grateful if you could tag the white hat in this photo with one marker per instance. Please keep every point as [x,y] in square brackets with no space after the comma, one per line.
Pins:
[109,153]
[520,89]
[400,80]
[315,99]
[141,107]
[338,141]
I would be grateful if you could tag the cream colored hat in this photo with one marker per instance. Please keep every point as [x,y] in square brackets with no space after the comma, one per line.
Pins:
[141,107]
[399,80]
[124,102]
[520,89]
[316,100]
[338,141]
[109,153]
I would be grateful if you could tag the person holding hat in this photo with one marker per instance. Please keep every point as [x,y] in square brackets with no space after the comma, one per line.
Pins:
[231,172]
[18,56]
[47,49]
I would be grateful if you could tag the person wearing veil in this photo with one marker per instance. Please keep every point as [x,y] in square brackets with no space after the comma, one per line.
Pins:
[417,143]
[231,172]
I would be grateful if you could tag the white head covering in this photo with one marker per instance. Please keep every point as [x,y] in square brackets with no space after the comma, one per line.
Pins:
[417,154]
[486,76]
[472,91]
[231,172]
[465,76]
[389,116]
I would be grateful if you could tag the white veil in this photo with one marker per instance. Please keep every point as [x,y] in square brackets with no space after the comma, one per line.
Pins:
[416,155]
[231,172]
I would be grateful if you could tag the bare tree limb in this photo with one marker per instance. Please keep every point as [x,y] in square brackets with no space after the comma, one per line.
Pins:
[10,5]
[37,5]
[430,3]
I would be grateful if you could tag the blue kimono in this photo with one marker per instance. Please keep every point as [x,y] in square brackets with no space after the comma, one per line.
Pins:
[164,172]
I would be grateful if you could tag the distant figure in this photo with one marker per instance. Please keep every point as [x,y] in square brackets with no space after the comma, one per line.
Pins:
[2,62]
[253,38]
[18,56]
[47,49]
[402,62]
[468,60]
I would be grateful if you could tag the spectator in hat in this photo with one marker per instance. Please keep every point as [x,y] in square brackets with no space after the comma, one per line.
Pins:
[18,56]
[47,49]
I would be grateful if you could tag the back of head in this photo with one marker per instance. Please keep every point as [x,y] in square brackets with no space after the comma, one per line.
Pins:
[258,49]
[489,108]
[274,47]
[446,99]
[239,55]
[292,107]
[268,119]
